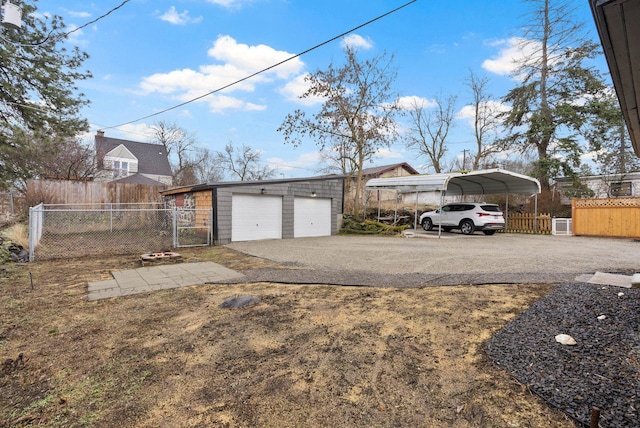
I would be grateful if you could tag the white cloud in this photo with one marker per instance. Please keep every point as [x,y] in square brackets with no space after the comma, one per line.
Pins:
[305,164]
[513,52]
[137,132]
[227,3]
[218,103]
[488,108]
[254,58]
[385,153]
[356,41]
[413,101]
[75,35]
[77,14]
[235,61]
[172,16]
[295,88]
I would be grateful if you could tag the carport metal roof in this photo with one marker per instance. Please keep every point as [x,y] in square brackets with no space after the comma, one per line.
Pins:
[484,182]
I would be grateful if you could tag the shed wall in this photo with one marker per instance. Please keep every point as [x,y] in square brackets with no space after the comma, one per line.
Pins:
[222,200]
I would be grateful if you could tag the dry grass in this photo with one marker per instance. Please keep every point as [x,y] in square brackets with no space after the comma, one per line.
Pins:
[304,356]
[18,233]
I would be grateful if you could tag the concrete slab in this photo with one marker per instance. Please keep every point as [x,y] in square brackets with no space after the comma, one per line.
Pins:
[635,281]
[102,285]
[153,278]
[584,277]
[611,279]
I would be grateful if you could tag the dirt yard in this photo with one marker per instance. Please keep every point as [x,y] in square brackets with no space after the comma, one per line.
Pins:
[308,355]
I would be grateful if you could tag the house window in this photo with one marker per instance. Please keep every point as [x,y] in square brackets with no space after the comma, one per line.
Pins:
[620,188]
[120,169]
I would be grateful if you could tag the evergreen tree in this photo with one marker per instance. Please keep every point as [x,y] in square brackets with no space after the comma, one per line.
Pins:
[557,86]
[39,99]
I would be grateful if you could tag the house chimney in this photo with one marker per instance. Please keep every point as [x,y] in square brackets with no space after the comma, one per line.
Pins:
[100,134]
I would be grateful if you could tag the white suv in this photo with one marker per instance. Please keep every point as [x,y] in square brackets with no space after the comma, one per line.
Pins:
[466,216]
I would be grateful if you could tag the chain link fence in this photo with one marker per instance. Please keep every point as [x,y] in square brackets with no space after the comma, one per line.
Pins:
[59,231]
[7,208]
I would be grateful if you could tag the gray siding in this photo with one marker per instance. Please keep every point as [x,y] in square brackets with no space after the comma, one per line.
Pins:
[330,188]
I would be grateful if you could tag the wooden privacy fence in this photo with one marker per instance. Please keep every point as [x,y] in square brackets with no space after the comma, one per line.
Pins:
[529,223]
[90,192]
[616,217]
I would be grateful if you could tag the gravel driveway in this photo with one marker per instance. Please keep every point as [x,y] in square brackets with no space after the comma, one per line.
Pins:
[601,371]
[453,258]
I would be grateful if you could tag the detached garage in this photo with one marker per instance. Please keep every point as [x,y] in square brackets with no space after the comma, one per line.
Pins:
[269,209]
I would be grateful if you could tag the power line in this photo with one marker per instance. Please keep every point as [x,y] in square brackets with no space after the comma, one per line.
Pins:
[268,68]
[64,35]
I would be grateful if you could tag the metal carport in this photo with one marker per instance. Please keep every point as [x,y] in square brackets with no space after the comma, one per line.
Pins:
[484,182]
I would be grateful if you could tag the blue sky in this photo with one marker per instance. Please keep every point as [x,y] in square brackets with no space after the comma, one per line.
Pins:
[151,55]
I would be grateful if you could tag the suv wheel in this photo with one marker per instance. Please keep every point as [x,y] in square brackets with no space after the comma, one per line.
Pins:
[489,232]
[467,227]
[427,224]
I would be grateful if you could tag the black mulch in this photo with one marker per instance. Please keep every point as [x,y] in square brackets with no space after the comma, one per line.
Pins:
[602,370]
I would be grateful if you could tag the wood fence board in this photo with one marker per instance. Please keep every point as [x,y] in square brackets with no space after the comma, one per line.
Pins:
[526,223]
[90,192]
[615,217]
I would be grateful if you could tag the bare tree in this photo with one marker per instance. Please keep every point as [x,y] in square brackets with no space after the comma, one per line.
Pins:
[486,119]
[46,157]
[208,169]
[243,163]
[357,116]
[430,129]
[182,150]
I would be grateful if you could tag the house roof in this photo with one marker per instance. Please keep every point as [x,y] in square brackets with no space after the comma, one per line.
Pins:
[152,158]
[483,182]
[140,179]
[378,170]
[617,24]
[219,184]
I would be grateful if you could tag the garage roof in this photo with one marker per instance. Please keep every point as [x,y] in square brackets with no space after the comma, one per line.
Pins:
[617,23]
[483,182]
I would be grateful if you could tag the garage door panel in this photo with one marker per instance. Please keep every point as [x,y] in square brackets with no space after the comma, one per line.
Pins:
[311,217]
[256,217]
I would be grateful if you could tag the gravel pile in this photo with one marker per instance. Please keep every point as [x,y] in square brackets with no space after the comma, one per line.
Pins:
[602,370]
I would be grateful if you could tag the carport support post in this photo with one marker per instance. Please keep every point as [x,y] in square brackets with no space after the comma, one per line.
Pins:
[506,223]
[535,215]
[440,208]
[415,215]
[395,213]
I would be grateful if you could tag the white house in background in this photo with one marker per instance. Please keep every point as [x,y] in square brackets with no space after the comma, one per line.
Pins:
[125,161]
[604,186]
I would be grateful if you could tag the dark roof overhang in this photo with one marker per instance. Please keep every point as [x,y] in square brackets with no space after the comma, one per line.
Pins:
[617,24]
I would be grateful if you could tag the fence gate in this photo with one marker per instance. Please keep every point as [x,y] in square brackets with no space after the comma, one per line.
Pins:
[192,227]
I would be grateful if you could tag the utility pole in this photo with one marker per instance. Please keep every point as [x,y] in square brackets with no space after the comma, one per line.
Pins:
[464,158]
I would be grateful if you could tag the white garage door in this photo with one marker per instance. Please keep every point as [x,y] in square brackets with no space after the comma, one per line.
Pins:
[311,217]
[256,217]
